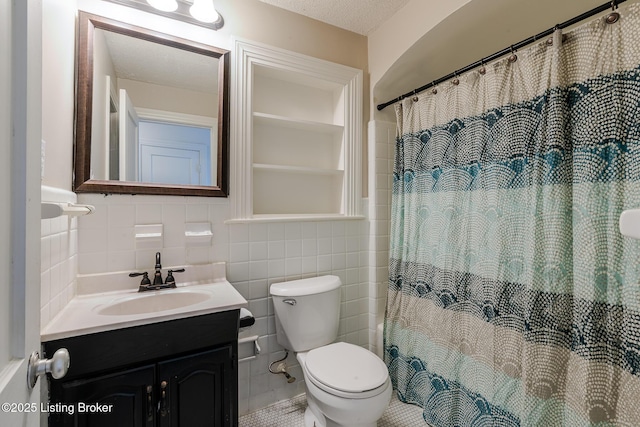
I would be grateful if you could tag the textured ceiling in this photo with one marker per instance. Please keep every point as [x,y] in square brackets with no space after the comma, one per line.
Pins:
[359,16]
[141,60]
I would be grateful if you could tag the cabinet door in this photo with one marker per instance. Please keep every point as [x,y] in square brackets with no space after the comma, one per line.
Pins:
[199,390]
[127,396]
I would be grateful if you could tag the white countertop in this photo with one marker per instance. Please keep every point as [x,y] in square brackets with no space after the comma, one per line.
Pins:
[81,315]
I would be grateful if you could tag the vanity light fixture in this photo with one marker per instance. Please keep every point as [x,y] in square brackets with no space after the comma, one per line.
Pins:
[164,5]
[198,12]
[204,10]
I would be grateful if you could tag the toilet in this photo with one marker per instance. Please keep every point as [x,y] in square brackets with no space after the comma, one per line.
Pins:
[346,385]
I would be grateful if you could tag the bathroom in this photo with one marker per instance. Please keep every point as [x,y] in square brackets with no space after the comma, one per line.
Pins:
[416,43]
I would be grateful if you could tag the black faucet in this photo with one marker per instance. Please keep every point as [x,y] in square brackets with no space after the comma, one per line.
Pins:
[157,277]
[146,285]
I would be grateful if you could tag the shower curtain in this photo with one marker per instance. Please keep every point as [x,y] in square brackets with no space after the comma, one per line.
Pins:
[513,298]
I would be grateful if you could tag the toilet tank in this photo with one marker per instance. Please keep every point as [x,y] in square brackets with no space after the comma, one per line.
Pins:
[307,312]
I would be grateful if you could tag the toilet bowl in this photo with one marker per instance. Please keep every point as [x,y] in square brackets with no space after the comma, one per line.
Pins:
[346,385]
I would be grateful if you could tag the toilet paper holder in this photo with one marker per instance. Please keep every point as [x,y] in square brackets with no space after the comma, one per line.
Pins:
[256,347]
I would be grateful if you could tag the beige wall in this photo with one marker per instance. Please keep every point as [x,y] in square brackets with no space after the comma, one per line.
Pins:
[428,40]
[393,38]
[167,98]
[58,33]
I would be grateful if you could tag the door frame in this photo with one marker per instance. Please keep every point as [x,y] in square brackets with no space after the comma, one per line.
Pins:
[21,215]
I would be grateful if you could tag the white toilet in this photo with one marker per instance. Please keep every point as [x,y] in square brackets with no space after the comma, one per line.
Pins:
[346,385]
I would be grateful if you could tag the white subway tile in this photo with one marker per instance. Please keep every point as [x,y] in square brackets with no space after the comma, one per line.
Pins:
[293,266]
[258,251]
[276,268]
[293,230]
[121,215]
[258,232]
[276,231]
[148,214]
[197,213]
[293,248]
[258,270]
[239,252]
[309,230]
[325,246]
[276,249]
[258,289]
[309,247]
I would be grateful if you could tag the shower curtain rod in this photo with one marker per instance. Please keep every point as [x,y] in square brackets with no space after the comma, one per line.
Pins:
[612,5]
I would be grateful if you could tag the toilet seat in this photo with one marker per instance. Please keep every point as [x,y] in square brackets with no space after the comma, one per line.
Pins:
[346,370]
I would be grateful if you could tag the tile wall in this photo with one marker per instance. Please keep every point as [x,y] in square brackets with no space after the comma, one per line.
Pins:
[58,258]
[257,255]
[262,254]
[381,154]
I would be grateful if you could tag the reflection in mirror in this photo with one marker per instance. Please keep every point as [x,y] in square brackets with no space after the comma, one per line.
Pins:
[152,112]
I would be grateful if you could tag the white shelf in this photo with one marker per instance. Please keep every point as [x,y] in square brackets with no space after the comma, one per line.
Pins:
[293,217]
[297,169]
[299,124]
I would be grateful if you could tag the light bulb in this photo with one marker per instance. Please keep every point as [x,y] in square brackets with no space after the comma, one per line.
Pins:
[164,5]
[204,11]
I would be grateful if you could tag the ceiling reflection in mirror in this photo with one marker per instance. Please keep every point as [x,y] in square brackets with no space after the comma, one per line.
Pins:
[157,113]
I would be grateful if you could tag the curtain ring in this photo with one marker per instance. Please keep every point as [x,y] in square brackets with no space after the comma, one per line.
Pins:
[456,80]
[435,88]
[482,70]
[415,97]
[614,16]
[550,39]
[513,57]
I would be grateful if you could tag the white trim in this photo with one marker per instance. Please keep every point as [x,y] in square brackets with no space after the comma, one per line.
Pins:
[249,54]
[179,118]
[194,120]
[293,217]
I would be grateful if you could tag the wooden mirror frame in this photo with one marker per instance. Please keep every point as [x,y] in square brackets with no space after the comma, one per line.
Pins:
[82,182]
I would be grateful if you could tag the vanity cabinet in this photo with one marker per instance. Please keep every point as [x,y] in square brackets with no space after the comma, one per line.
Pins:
[175,373]
[124,394]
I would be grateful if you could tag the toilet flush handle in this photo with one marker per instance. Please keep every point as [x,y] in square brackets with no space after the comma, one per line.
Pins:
[289,301]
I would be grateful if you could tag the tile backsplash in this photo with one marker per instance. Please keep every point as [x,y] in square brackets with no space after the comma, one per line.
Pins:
[257,255]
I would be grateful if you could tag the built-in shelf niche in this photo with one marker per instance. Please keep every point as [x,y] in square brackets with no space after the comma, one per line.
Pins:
[298,124]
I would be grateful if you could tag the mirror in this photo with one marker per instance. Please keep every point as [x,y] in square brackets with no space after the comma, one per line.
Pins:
[152,112]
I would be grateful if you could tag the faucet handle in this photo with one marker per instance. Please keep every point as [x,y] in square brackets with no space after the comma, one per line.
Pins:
[170,279]
[145,278]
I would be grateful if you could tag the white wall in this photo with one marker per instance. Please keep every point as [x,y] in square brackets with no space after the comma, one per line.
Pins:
[101,105]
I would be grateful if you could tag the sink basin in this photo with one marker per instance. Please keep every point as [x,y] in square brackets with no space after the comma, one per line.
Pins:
[153,302]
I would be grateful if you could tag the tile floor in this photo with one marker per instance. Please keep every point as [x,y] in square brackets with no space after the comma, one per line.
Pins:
[290,413]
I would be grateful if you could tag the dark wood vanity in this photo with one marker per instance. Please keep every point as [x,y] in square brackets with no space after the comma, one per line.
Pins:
[174,373]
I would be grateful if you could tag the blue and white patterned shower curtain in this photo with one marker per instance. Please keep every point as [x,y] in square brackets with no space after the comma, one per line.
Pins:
[513,298]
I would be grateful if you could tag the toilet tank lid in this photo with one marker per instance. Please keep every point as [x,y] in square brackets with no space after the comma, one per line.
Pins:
[310,286]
